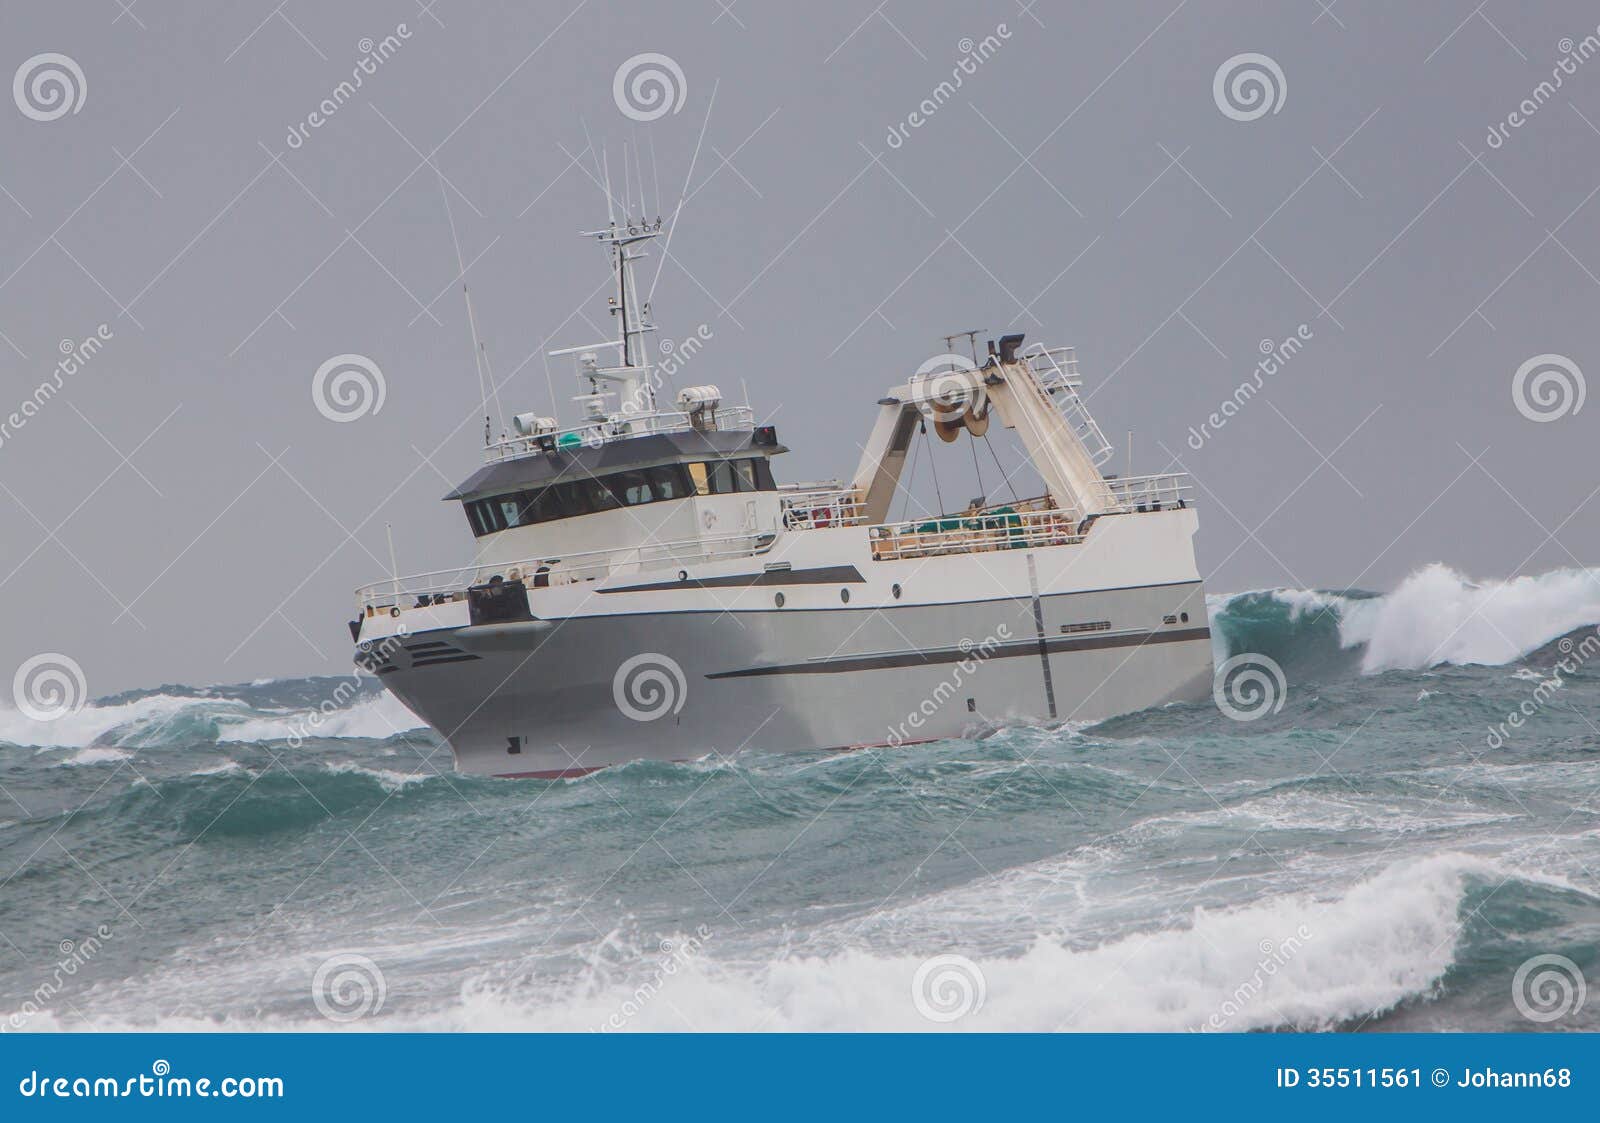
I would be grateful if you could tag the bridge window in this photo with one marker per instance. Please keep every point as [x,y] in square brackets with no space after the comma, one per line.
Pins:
[620,489]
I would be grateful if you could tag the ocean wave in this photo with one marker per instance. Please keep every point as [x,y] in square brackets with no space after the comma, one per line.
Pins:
[1434,617]
[164,718]
[1296,961]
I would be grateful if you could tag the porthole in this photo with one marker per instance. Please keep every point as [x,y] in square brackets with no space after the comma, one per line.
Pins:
[896,591]
[683,575]
[844,595]
[777,599]
[1184,617]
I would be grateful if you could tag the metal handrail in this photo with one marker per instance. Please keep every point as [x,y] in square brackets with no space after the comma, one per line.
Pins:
[598,431]
[822,508]
[1150,493]
[563,569]
[966,534]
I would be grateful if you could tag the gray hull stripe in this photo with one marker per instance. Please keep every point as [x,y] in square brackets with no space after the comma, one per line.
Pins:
[1044,650]
[956,655]
[825,575]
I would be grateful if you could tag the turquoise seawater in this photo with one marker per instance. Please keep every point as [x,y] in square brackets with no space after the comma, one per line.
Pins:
[1364,857]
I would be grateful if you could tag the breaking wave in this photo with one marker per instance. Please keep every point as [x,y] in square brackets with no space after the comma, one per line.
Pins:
[1435,617]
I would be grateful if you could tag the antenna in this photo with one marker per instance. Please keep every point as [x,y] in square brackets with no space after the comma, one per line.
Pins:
[972,340]
[486,388]
[394,565]
[605,166]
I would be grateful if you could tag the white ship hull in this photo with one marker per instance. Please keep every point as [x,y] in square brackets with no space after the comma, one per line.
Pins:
[646,665]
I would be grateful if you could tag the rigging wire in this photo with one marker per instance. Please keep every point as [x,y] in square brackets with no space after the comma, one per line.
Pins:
[1004,475]
[486,389]
[934,468]
[911,478]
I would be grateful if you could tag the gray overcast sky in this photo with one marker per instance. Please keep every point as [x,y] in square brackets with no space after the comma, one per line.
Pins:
[181,512]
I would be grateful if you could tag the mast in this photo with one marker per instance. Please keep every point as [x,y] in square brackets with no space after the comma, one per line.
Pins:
[631,378]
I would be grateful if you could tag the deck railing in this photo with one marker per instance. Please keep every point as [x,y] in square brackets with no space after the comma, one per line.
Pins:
[821,508]
[449,585]
[997,529]
[595,433]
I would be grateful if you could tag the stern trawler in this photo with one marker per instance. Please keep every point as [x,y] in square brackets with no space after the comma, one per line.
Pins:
[643,587]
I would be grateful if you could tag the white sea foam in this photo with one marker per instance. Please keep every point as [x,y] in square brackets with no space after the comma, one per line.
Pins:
[1437,616]
[1373,945]
[99,754]
[376,717]
[156,718]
